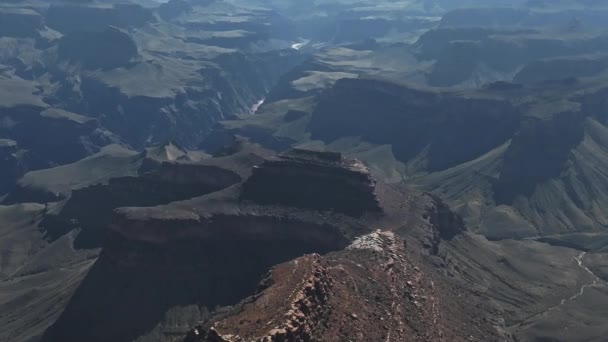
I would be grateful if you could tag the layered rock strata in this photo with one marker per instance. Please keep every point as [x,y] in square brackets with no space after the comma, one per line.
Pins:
[314,180]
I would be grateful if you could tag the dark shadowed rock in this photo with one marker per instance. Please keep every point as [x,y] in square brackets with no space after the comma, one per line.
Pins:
[563,68]
[107,49]
[91,207]
[50,137]
[20,22]
[538,153]
[449,129]
[11,166]
[316,180]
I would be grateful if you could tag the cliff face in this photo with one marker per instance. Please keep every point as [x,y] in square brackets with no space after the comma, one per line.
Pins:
[187,101]
[538,153]
[193,175]
[45,138]
[442,129]
[53,136]
[241,228]
[315,180]
[90,208]
[11,165]
[183,262]
[158,290]
[506,157]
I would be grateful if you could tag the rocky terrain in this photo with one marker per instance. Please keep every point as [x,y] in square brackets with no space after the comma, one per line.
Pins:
[481,150]
[521,164]
[318,298]
[409,263]
[96,72]
[268,170]
[251,236]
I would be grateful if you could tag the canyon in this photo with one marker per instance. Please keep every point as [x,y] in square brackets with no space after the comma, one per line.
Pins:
[269,170]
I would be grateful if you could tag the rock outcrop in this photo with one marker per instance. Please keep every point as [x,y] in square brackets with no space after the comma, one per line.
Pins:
[528,160]
[90,208]
[315,180]
[442,129]
[299,304]
[53,136]
[371,291]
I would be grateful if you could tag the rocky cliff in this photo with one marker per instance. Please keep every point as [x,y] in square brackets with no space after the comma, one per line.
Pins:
[11,164]
[327,298]
[196,258]
[90,208]
[316,180]
[45,137]
[441,129]
[53,136]
[375,289]
[498,176]
[514,160]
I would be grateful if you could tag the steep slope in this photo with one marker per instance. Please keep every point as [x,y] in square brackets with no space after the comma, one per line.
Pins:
[37,277]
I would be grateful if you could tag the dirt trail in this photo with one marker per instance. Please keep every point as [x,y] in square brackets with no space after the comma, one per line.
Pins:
[596,280]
